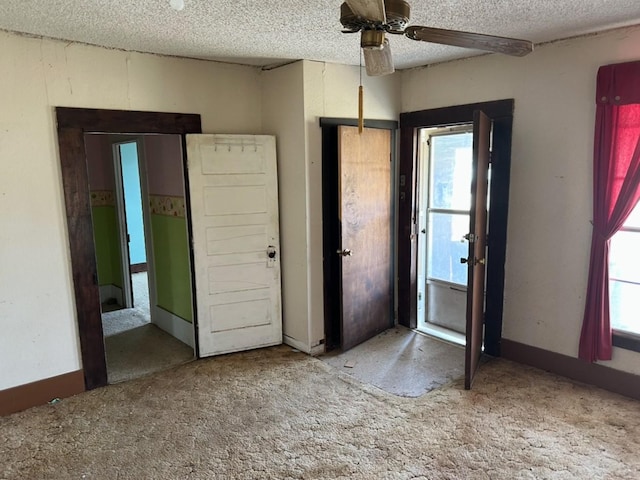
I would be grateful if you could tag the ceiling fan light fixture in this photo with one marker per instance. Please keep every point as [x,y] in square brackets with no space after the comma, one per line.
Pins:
[378,61]
[372,39]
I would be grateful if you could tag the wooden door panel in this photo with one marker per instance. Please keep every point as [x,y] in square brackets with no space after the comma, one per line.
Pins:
[477,245]
[365,217]
[234,205]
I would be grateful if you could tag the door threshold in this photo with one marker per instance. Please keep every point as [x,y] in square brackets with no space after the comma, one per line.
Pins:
[442,333]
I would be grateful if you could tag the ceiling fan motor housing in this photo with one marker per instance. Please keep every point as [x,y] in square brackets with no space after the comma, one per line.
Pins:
[396,11]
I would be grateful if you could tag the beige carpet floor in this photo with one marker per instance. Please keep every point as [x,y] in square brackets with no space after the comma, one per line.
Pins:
[277,414]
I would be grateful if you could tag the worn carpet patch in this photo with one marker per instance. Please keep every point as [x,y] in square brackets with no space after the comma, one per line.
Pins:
[274,413]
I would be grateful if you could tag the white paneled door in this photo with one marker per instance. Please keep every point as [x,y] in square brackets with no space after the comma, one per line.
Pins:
[234,216]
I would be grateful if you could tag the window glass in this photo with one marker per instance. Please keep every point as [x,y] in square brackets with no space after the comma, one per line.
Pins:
[624,276]
[624,256]
[624,306]
[446,247]
[451,159]
[633,220]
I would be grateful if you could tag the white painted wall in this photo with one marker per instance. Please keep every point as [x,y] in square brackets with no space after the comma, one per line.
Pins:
[550,202]
[37,313]
[283,116]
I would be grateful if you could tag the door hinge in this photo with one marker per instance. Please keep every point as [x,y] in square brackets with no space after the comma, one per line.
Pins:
[470,237]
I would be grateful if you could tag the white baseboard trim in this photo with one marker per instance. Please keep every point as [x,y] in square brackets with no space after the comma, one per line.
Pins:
[110,291]
[297,344]
[173,325]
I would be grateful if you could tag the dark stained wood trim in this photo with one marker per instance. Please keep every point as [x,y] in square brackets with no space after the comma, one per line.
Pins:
[501,112]
[39,393]
[331,233]
[353,122]
[105,121]
[407,236]
[83,264]
[607,378]
[455,114]
[497,241]
[138,267]
[72,124]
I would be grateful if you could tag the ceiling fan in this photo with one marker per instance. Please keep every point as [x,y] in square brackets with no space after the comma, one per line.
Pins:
[375,18]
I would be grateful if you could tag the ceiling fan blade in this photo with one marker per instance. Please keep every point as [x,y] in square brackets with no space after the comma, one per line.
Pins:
[368,9]
[378,61]
[508,46]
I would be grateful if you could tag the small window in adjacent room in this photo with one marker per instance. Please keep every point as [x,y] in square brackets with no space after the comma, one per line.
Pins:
[624,276]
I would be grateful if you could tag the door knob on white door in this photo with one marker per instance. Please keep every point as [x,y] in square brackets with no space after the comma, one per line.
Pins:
[345,253]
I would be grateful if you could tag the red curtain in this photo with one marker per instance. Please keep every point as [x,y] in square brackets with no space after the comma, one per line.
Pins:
[616,190]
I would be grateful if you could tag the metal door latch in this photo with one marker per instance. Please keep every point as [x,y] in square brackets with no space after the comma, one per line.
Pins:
[271,255]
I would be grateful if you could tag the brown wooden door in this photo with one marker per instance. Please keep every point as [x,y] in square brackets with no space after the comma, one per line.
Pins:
[365,244]
[477,245]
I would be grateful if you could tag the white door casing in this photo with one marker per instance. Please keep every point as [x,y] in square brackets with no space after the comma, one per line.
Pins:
[234,216]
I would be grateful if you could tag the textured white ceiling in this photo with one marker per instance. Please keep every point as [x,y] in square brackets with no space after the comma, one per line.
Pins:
[269,32]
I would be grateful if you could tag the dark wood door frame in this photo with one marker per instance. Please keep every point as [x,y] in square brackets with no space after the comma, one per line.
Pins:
[72,124]
[331,221]
[501,113]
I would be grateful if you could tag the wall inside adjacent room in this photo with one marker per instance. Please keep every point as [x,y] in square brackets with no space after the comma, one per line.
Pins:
[549,231]
[100,168]
[165,180]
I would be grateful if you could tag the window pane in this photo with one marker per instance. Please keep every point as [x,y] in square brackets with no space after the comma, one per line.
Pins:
[634,218]
[624,297]
[624,256]
[451,157]
[445,248]
[624,306]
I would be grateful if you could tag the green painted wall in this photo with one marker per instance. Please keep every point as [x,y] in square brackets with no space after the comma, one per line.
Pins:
[171,262]
[107,243]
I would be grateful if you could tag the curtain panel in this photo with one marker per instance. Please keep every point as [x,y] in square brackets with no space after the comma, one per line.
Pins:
[616,190]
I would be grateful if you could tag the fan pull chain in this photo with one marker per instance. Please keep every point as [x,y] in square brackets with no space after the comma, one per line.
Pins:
[360,100]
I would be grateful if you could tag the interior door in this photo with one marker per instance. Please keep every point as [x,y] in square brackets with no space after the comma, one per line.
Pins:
[234,205]
[123,231]
[477,245]
[365,244]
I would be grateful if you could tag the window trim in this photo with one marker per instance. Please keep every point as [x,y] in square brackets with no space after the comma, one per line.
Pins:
[625,340]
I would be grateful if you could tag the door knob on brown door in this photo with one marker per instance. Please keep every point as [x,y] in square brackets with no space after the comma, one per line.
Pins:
[480,261]
[345,253]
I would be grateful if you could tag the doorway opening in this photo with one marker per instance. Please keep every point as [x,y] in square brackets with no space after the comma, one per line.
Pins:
[358,178]
[144,284]
[445,170]
[73,125]
[487,233]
